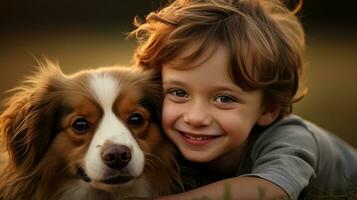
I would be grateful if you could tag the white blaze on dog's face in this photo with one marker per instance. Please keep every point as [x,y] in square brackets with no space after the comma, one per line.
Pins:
[112,122]
[96,128]
[111,134]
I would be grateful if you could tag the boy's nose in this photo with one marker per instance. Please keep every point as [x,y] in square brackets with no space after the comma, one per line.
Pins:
[197,115]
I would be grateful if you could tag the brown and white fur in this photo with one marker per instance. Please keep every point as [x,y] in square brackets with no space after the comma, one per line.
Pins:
[91,135]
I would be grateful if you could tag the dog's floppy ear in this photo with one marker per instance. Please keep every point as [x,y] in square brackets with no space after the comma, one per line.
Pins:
[153,94]
[27,121]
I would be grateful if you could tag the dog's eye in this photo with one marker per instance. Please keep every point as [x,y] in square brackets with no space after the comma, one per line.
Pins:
[136,119]
[80,125]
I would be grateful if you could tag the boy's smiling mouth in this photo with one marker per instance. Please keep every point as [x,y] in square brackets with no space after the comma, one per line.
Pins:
[197,138]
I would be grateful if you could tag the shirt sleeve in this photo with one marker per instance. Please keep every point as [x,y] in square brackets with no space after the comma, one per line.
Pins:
[286,155]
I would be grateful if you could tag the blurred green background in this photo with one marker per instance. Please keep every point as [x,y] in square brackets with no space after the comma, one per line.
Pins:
[85,34]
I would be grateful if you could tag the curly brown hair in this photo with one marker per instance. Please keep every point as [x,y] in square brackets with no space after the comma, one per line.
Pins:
[265,42]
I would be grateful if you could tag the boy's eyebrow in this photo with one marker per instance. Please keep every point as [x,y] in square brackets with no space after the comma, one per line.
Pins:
[173,82]
[236,89]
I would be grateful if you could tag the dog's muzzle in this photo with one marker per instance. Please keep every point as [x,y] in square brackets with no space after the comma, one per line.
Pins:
[116,158]
[81,174]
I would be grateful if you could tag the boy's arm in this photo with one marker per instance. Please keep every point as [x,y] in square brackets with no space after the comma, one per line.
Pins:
[238,188]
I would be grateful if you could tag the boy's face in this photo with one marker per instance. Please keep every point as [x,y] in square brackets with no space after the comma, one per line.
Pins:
[204,113]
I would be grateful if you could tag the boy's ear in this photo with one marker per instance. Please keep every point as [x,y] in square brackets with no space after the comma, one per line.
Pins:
[268,117]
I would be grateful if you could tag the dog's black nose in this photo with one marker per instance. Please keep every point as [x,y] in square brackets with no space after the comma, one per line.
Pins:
[116,156]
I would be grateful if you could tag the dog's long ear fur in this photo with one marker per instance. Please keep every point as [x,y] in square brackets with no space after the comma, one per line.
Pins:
[26,123]
[153,94]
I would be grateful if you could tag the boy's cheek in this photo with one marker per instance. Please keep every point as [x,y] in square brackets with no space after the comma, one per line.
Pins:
[170,112]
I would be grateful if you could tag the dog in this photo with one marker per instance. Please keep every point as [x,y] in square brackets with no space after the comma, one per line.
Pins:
[94,134]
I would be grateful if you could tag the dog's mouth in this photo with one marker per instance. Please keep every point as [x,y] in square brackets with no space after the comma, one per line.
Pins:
[83,175]
[114,179]
[119,179]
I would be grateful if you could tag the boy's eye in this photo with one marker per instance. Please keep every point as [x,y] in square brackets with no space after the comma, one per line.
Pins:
[225,99]
[178,93]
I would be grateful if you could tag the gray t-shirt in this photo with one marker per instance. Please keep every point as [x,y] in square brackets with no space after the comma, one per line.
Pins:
[303,159]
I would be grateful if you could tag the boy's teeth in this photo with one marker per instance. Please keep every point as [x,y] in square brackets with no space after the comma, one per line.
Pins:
[198,138]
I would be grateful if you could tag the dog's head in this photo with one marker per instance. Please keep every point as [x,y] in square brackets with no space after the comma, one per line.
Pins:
[98,125]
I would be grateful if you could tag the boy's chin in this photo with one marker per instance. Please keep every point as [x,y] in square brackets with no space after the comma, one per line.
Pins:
[197,156]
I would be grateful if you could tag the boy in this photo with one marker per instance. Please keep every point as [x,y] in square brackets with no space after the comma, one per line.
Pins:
[230,73]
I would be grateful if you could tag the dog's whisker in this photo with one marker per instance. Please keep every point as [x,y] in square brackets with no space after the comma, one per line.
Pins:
[68,166]
[152,158]
[50,130]
[150,164]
